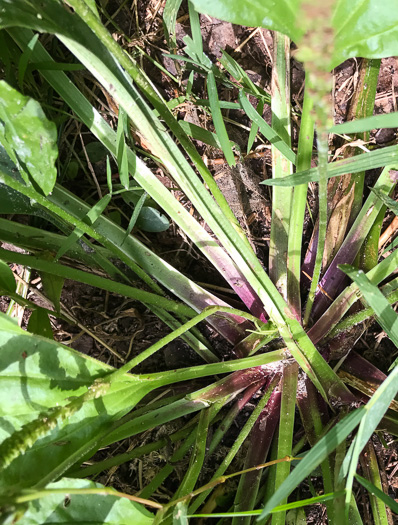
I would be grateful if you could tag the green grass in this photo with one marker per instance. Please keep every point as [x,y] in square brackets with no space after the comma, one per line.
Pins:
[276,344]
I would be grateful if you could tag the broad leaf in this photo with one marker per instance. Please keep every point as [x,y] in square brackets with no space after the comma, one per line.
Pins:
[96,509]
[366,29]
[28,137]
[37,374]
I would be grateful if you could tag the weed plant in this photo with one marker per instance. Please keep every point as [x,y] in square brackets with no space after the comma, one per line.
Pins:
[317,403]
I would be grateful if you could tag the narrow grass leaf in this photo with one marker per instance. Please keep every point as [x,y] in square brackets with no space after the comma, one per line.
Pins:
[218,119]
[189,85]
[267,131]
[92,215]
[366,161]
[388,201]
[372,489]
[254,129]
[24,60]
[389,120]
[318,453]
[385,314]
[391,246]
[121,152]
[109,175]
[170,17]
[137,211]
[275,510]
[204,135]
[52,284]
[195,29]
[236,71]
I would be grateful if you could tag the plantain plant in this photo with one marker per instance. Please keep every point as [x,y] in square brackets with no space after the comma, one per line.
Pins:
[292,339]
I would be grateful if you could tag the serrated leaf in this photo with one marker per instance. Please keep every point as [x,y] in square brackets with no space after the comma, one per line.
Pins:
[39,324]
[7,279]
[29,138]
[96,509]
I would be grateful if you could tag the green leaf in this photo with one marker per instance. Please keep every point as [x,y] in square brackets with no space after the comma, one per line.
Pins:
[38,374]
[268,132]
[95,151]
[122,160]
[92,215]
[385,314]
[389,120]
[136,213]
[96,509]
[7,279]
[202,134]
[388,201]
[39,324]
[149,219]
[366,29]
[52,283]
[370,487]
[170,17]
[365,161]
[29,138]
[24,60]
[318,453]
[218,119]
[277,16]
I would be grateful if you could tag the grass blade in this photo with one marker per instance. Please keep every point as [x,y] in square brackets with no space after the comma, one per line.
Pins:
[269,133]
[366,161]
[318,453]
[218,119]
[378,493]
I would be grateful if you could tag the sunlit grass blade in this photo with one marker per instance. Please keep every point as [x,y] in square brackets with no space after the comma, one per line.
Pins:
[285,436]
[389,120]
[136,212]
[380,401]
[218,119]
[280,508]
[170,17]
[121,152]
[281,167]
[333,279]
[299,202]
[375,159]
[243,434]
[254,128]
[385,314]
[236,71]
[268,132]
[24,60]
